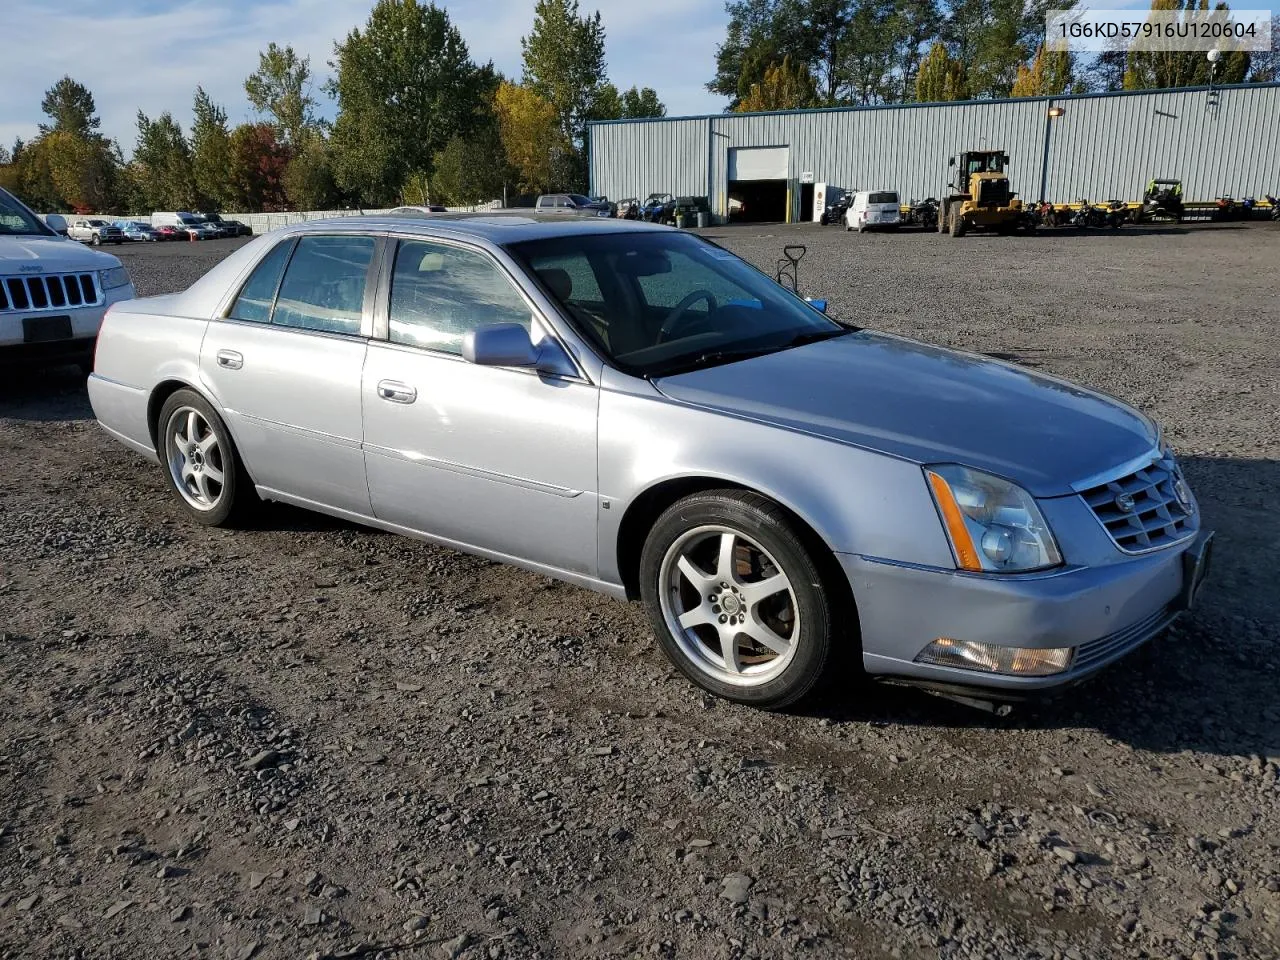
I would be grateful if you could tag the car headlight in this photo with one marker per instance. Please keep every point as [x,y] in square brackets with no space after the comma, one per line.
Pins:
[113,278]
[994,526]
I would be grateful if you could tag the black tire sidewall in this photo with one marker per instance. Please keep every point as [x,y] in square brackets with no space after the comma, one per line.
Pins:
[766,524]
[232,473]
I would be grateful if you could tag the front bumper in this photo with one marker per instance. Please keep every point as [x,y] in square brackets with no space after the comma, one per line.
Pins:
[1105,612]
[84,324]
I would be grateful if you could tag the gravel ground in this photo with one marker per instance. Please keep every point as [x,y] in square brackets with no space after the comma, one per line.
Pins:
[308,739]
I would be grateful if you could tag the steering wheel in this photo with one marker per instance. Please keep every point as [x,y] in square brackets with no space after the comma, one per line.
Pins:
[677,313]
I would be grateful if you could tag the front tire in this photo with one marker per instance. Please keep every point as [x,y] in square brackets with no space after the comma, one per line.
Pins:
[200,460]
[737,599]
[96,240]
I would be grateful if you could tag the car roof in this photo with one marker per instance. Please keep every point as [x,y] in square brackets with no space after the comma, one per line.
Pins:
[498,229]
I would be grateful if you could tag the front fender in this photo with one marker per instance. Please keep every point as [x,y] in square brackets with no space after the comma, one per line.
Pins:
[857,500]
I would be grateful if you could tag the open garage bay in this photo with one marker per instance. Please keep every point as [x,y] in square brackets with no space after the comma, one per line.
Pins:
[310,739]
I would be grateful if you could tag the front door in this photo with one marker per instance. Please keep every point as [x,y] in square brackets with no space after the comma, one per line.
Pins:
[497,458]
[285,367]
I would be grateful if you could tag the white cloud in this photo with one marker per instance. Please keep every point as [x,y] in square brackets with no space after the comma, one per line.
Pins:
[152,56]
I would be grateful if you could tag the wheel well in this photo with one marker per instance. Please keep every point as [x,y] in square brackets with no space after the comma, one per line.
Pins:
[646,508]
[159,395]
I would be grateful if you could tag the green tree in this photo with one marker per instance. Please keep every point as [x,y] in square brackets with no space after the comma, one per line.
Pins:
[637,104]
[281,88]
[941,78]
[308,178]
[564,63]
[211,153]
[1160,69]
[70,106]
[161,173]
[786,86]
[83,170]
[633,104]
[405,87]
[472,169]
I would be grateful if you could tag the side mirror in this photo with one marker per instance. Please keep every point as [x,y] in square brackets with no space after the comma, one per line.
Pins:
[820,305]
[499,345]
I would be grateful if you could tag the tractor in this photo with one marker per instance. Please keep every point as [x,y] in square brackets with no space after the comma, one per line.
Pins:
[979,196]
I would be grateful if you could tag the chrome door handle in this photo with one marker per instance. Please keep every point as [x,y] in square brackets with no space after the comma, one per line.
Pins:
[231,359]
[396,392]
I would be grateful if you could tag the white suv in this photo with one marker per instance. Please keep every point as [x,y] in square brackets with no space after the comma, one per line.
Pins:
[53,291]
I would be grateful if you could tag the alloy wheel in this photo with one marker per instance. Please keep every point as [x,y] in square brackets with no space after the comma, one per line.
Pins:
[729,605]
[194,455]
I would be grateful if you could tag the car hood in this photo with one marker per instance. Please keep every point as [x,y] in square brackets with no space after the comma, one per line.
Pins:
[929,405]
[51,254]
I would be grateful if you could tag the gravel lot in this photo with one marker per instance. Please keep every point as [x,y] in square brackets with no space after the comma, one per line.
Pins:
[308,739]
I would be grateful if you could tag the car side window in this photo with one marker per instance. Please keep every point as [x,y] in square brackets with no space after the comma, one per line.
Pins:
[259,292]
[439,293]
[323,286]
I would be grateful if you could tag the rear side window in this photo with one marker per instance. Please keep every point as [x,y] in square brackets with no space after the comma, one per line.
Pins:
[883,197]
[323,287]
[259,293]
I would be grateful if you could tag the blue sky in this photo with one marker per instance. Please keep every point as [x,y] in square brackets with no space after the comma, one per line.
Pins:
[151,54]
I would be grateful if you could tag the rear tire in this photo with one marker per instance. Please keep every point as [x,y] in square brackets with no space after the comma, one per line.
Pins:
[200,461]
[737,599]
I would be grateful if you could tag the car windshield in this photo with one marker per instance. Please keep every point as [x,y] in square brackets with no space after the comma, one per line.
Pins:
[662,303]
[579,199]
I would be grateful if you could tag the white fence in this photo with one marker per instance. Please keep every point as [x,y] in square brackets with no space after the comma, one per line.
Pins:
[262,222]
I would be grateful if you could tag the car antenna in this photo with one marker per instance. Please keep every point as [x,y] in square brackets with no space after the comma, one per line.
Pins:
[788,272]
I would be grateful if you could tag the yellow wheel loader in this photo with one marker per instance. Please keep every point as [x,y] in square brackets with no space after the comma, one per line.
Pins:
[979,196]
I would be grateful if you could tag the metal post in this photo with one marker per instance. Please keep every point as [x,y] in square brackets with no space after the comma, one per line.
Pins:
[1044,160]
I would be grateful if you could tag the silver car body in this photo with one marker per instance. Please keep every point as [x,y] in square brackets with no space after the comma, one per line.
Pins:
[556,472]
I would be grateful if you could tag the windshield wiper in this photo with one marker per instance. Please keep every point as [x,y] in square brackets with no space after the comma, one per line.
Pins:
[715,358]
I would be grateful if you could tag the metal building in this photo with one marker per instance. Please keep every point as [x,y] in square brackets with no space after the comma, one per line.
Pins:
[1222,141]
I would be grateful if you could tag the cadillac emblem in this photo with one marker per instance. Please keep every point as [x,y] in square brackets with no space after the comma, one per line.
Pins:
[1124,502]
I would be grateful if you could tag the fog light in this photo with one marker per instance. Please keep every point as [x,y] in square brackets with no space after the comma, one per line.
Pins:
[993,658]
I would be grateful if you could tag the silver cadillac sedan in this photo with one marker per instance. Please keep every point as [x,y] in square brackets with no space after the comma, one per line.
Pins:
[638,411]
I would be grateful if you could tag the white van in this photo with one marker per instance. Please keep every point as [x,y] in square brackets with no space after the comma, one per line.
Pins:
[873,208]
[175,219]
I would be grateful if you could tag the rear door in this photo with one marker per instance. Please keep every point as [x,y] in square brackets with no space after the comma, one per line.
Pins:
[285,366]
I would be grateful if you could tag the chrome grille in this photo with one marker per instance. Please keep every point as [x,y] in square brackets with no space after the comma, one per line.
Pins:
[1142,511]
[58,291]
[1096,652]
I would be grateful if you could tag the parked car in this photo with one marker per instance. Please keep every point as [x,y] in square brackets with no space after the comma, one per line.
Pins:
[628,209]
[93,230]
[226,228]
[168,231]
[53,292]
[613,207]
[659,208]
[873,209]
[570,203]
[429,208]
[136,230]
[779,489]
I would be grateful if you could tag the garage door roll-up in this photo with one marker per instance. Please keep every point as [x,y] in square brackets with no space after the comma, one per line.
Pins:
[757,163]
